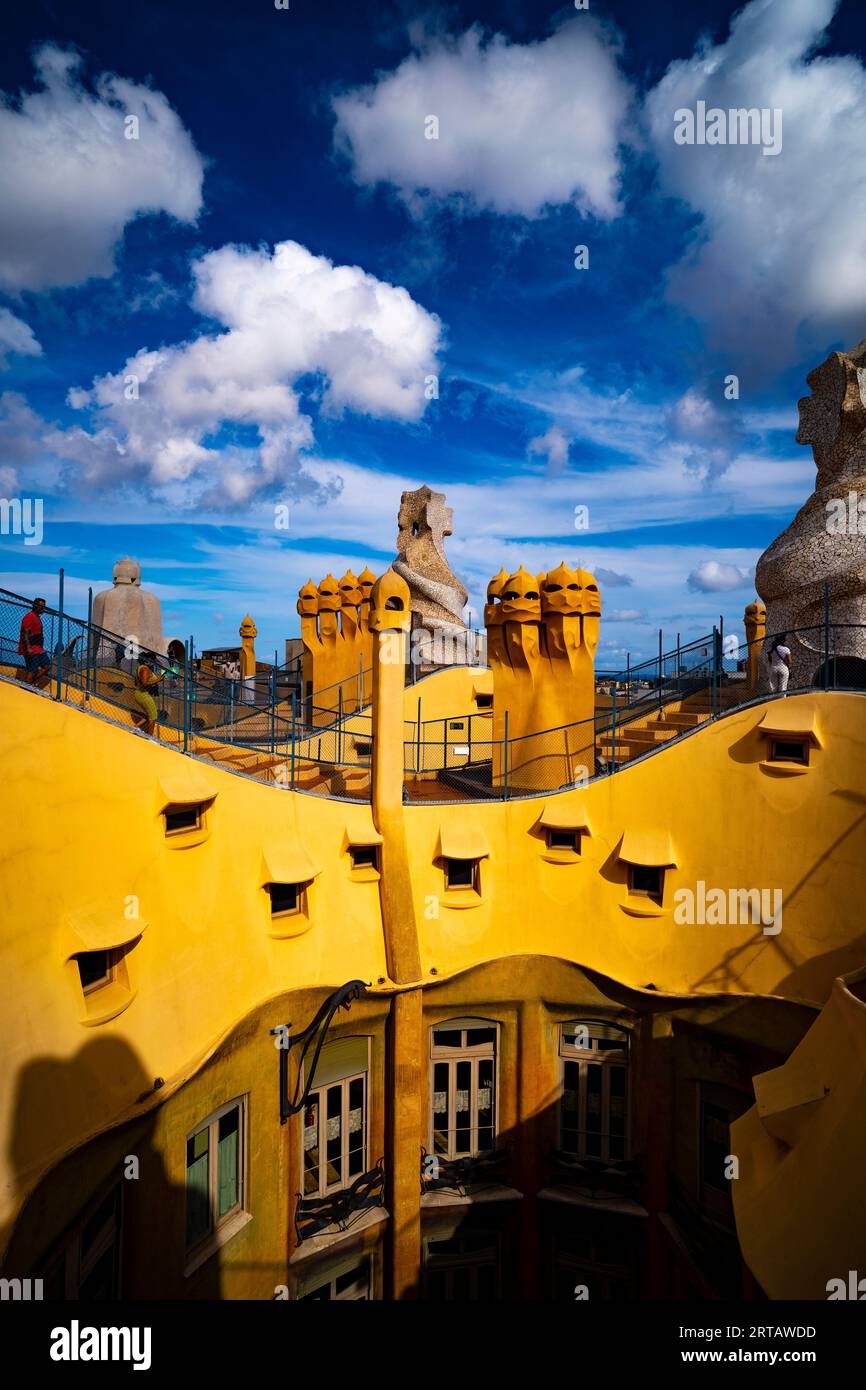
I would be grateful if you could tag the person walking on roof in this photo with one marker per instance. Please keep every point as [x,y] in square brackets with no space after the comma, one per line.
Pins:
[146,682]
[31,646]
[779,657]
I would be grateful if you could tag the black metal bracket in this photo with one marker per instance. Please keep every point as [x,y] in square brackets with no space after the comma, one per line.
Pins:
[342,998]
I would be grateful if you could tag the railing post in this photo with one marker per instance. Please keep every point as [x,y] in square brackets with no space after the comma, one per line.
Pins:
[826,634]
[721,654]
[612,767]
[715,668]
[418,739]
[60,638]
[660,672]
[444,744]
[273,705]
[339,723]
[88,654]
[505,760]
[679,663]
[360,682]
[186,651]
[231,711]
[628,678]
[294,713]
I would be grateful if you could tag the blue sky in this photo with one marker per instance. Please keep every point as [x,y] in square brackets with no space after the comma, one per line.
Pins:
[282,260]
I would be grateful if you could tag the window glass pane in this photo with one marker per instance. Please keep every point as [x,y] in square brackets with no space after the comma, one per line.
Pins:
[102,1218]
[311,1146]
[485,1105]
[569,1114]
[197,1187]
[93,967]
[593,1098]
[357,1276]
[100,1284]
[487,1282]
[356,1127]
[228,1151]
[616,1083]
[478,1037]
[440,1107]
[463,1114]
[334,1135]
[446,1037]
[716,1146]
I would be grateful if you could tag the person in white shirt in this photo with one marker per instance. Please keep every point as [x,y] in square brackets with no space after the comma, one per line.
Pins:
[779,657]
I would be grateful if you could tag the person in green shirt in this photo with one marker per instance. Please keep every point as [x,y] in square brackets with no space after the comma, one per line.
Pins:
[146,682]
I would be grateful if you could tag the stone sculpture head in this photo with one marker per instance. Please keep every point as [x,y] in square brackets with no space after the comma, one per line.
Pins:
[127,571]
[833,417]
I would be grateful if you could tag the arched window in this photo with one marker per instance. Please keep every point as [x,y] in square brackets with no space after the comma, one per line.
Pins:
[463,1101]
[594,1089]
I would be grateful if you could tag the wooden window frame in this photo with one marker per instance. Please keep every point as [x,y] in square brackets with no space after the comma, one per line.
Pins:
[654,895]
[197,807]
[802,758]
[452,1056]
[364,1269]
[319,1094]
[607,1060]
[228,1218]
[114,958]
[573,837]
[489,1257]
[72,1263]
[300,907]
[590,1268]
[372,850]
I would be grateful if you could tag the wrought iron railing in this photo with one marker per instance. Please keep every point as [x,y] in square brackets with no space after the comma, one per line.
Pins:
[337,1209]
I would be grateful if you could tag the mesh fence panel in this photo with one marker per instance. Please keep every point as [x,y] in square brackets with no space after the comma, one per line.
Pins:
[325,744]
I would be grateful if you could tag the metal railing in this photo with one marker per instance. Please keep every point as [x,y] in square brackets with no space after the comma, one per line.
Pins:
[637,710]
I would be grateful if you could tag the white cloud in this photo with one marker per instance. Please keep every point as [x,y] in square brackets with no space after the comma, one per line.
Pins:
[780,255]
[70,180]
[521,126]
[716,577]
[16,336]
[552,447]
[287,315]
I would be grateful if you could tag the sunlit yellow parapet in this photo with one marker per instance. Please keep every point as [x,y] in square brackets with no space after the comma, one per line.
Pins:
[542,636]
[799,1202]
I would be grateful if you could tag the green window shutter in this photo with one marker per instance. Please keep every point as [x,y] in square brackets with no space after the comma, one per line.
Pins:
[227,1162]
[197,1176]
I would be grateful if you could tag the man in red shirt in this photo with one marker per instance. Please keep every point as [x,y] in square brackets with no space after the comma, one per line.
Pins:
[30,646]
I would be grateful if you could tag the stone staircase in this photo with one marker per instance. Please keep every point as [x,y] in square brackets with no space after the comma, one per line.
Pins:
[655,728]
